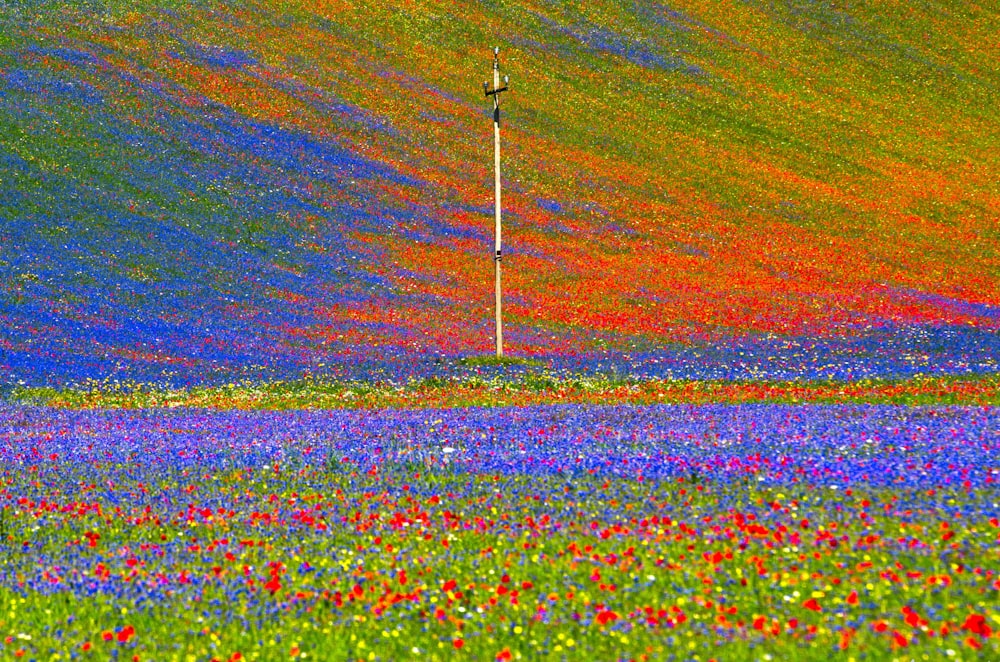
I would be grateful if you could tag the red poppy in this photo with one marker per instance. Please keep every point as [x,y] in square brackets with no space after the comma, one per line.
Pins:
[606,617]
[976,624]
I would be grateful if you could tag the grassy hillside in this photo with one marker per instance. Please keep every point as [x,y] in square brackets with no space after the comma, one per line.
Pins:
[200,192]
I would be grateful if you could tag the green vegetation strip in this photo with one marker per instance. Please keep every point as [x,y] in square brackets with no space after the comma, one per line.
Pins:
[466,391]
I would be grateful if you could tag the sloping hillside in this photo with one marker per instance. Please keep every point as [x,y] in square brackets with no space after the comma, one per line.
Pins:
[197,193]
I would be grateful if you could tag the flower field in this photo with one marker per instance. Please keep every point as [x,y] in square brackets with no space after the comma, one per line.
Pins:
[551,532]
[205,192]
[751,292]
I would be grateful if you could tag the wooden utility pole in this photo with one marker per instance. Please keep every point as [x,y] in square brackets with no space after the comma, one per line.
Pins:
[495,93]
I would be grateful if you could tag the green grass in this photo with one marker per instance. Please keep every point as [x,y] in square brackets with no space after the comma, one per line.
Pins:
[494,360]
[463,389]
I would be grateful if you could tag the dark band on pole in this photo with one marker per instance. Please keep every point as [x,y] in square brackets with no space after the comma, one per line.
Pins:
[497,256]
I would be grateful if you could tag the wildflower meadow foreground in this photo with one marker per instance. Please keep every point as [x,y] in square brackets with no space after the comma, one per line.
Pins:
[540,533]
